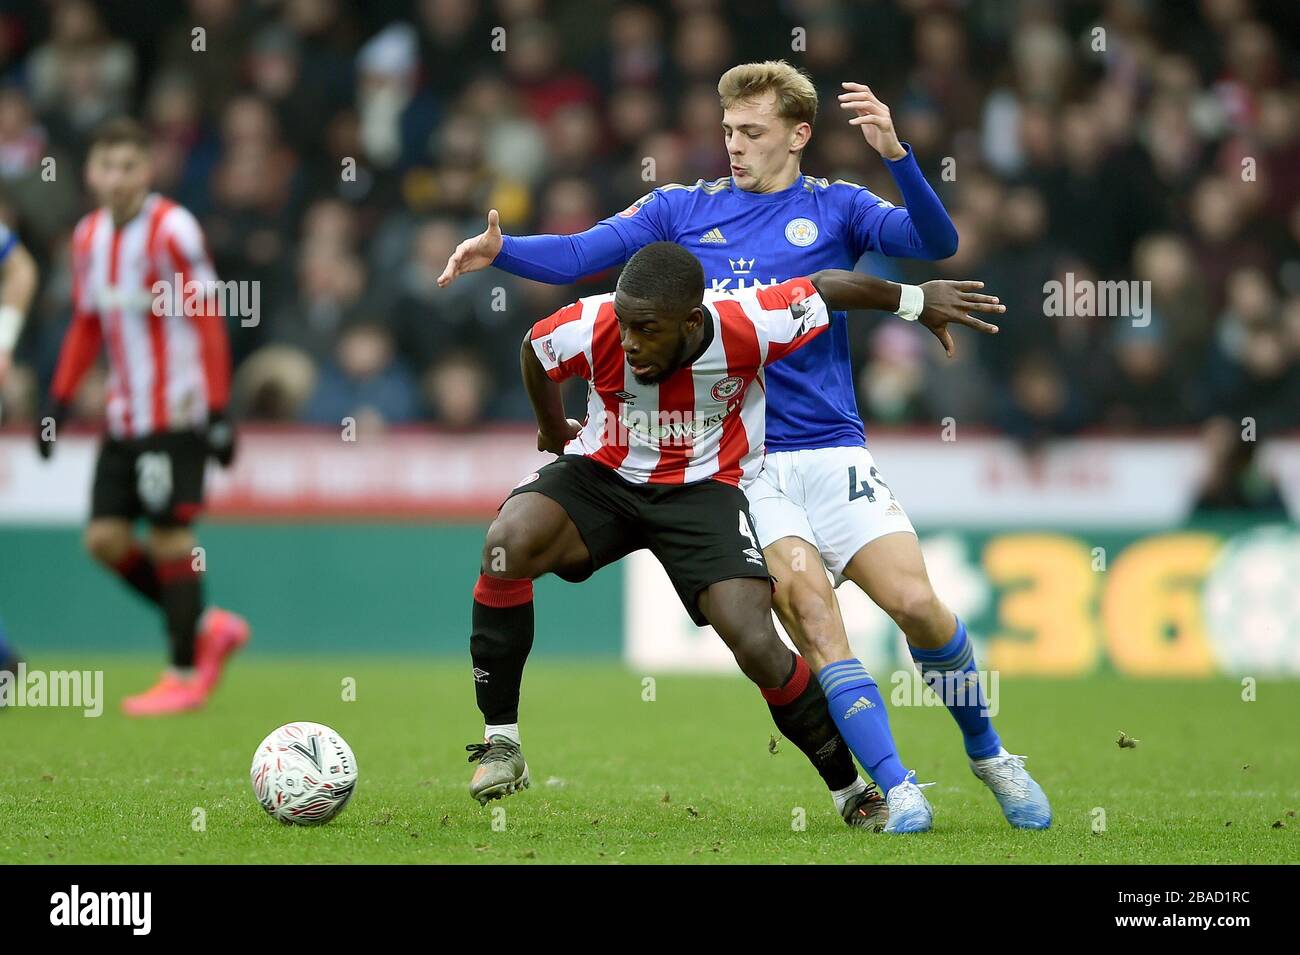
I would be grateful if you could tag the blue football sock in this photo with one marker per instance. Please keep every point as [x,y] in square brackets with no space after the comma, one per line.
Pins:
[945,671]
[859,713]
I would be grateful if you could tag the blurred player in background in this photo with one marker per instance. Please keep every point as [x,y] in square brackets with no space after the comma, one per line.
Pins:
[17,286]
[168,390]
[673,433]
[9,659]
[820,491]
[18,278]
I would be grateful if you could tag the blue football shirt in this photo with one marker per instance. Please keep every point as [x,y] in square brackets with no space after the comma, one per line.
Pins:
[747,238]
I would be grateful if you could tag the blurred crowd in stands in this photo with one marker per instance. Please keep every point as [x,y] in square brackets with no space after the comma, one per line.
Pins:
[336,152]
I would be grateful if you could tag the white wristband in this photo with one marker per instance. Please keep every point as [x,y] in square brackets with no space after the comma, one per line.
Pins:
[910,303]
[11,323]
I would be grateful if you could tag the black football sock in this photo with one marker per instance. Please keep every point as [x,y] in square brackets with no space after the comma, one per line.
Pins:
[799,709]
[138,571]
[499,644]
[181,596]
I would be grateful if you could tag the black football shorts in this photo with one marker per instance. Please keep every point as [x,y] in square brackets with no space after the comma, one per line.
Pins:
[158,477]
[701,532]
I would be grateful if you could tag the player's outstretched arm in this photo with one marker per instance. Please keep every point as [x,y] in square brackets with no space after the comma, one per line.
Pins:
[554,259]
[935,304]
[554,430]
[922,230]
[842,289]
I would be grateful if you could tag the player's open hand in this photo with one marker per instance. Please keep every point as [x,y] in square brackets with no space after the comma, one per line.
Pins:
[947,302]
[555,442]
[474,254]
[874,119]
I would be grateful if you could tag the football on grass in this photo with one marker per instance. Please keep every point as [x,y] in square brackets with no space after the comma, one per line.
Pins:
[304,774]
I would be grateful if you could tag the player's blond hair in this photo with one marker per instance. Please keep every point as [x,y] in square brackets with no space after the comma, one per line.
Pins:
[796,97]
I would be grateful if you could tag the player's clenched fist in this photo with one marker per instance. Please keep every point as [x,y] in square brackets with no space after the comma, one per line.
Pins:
[951,302]
[554,442]
[874,118]
[474,254]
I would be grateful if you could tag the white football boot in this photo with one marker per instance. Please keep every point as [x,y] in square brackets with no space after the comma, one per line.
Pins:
[909,810]
[1022,800]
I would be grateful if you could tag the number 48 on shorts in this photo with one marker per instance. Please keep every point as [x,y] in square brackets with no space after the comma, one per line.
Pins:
[865,489]
[801,494]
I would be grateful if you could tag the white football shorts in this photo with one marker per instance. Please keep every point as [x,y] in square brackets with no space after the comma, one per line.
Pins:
[834,498]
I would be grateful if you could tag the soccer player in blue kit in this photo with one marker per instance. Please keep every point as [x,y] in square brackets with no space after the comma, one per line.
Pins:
[819,502]
[18,280]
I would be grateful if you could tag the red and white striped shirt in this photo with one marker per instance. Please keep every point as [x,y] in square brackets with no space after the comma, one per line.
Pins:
[166,371]
[703,421]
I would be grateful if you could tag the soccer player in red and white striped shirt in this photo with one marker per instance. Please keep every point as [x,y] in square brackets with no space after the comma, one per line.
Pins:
[652,424]
[169,383]
[674,431]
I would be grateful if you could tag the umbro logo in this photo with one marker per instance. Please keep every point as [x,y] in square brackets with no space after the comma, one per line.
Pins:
[624,395]
[480,676]
[713,236]
[861,705]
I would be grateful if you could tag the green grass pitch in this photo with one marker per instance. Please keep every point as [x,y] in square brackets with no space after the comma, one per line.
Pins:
[686,778]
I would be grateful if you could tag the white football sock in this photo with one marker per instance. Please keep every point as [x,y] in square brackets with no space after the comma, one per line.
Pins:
[509,730]
[842,796]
